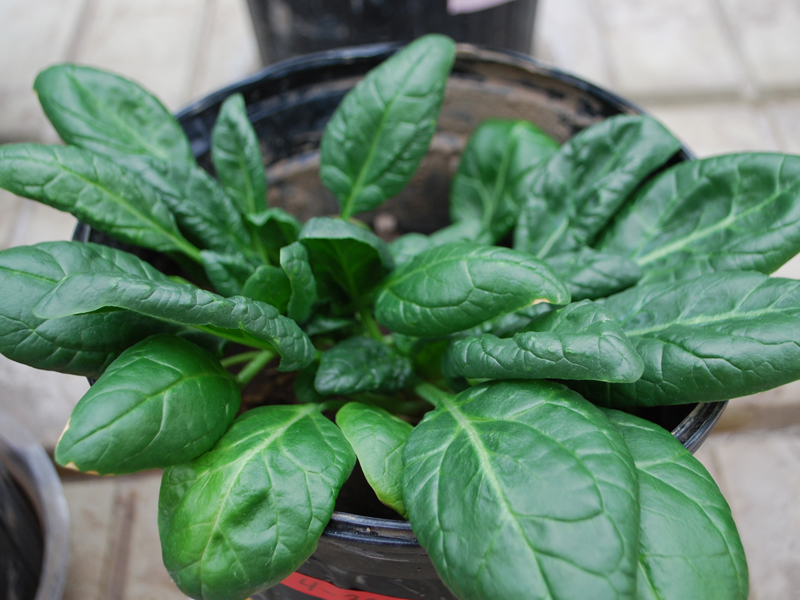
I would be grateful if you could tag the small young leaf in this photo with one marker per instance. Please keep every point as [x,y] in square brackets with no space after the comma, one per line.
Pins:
[81,344]
[294,262]
[454,287]
[377,438]
[276,472]
[163,402]
[227,272]
[407,246]
[237,157]
[494,174]
[94,189]
[725,213]
[270,285]
[361,364]
[523,490]
[109,114]
[378,135]
[237,319]
[274,228]
[577,192]
[590,274]
[722,336]
[321,324]
[580,341]
[689,548]
[346,258]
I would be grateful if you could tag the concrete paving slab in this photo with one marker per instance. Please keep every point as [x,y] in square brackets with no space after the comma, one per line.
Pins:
[766,32]
[10,207]
[771,410]
[38,222]
[150,41]
[668,49]
[714,128]
[785,116]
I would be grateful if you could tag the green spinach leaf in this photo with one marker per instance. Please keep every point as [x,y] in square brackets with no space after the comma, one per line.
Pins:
[270,285]
[689,548]
[96,190]
[495,172]
[273,229]
[227,272]
[577,192]
[725,213]
[109,114]
[237,157]
[361,364]
[81,344]
[237,319]
[454,287]
[163,402]
[244,516]
[523,490]
[590,274]
[303,286]
[580,341]
[378,135]
[377,437]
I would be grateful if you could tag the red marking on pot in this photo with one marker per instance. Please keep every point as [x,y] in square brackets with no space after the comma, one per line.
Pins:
[316,588]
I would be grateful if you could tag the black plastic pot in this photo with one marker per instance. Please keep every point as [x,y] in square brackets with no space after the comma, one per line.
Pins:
[288,28]
[34,518]
[289,105]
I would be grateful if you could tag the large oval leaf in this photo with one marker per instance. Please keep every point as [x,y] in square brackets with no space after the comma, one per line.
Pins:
[237,157]
[722,336]
[361,364]
[109,114]
[689,548]
[94,189]
[495,171]
[244,516]
[163,402]
[270,285]
[81,344]
[381,130]
[580,341]
[590,274]
[294,262]
[348,260]
[736,212]
[237,319]
[377,437]
[524,490]
[577,192]
[454,287]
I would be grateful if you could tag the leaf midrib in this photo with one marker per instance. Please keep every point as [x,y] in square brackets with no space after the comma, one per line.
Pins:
[702,320]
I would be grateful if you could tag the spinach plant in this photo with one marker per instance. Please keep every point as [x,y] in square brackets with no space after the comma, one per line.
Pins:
[488,391]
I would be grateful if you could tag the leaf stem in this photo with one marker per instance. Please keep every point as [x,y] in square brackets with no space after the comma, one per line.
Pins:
[252,368]
[431,393]
[238,358]
[369,324]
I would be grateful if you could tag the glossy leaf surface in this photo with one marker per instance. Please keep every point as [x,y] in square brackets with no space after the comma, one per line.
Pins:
[81,344]
[303,286]
[237,319]
[361,364]
[494,174]
[163,402]
[577,192]
[109,115]
[381,130]
[735,212]
[721,336]
[590,274]
[227,272]
[94,189]
[236,154]
[689,547]
[274,228]
[580,341]
[506,484]
[246,515]
[377,437]
[454,287]
[347,259]
[270,285]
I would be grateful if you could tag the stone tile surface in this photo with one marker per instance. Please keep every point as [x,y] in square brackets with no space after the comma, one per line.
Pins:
[153,42]
[38,222]
[10,207]
[717,127]
[229,51]
[773,409]
[786,122]
[766,32]
[668,48]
